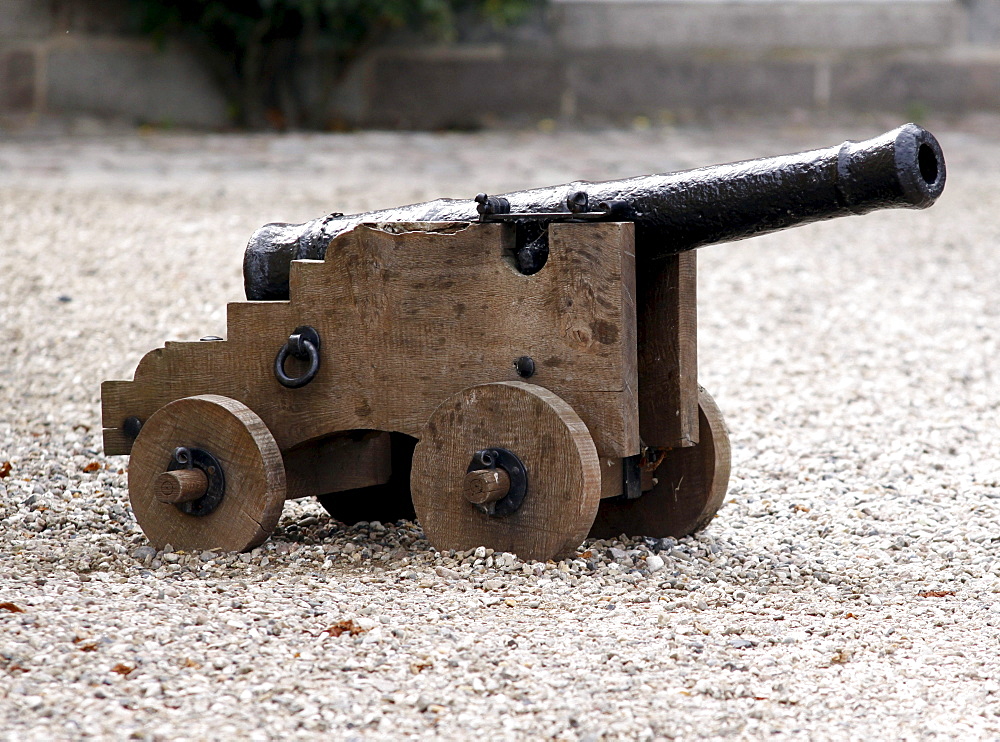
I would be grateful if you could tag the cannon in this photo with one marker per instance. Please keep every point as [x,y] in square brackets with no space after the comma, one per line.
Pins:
[517,371]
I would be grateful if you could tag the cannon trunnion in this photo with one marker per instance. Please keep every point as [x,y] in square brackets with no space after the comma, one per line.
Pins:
[417,367]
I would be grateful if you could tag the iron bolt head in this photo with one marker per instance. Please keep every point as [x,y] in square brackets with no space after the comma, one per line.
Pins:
[131,426]
[577,202]
[525,366]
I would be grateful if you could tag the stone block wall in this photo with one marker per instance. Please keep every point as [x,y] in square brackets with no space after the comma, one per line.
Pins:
[582,60]
[83,58]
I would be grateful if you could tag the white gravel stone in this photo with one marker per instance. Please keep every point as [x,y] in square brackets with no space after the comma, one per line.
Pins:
[849,588]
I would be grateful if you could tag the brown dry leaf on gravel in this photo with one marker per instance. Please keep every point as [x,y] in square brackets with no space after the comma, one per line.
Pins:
[5,469]
[935,593]
[11,607]
[122,669]
[92,466]
[344,626]
[85,644]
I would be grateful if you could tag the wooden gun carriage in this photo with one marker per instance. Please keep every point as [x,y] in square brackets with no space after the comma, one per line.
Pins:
[523,367]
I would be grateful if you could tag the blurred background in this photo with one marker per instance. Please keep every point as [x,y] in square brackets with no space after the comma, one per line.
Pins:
[334,65]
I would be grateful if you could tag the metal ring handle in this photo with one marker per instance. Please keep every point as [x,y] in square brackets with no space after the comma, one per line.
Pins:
[303,343]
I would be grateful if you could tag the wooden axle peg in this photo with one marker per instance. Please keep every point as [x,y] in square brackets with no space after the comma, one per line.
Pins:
[484,486]
[180,485]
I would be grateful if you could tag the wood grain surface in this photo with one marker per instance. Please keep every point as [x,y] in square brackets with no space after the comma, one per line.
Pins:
[180,485]
[668,351]
[410,315]
[338,463]
[550,439]
[251,463]
[689,486]
[484,486]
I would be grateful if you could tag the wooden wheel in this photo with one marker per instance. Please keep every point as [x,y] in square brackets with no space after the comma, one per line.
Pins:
[216,433]
[542,433]
[690,486]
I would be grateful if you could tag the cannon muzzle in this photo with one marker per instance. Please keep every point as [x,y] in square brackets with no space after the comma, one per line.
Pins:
[673,212]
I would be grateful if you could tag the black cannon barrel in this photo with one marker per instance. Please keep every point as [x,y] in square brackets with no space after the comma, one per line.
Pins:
[673,212]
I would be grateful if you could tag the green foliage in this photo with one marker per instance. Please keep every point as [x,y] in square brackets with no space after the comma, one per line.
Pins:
[255,47]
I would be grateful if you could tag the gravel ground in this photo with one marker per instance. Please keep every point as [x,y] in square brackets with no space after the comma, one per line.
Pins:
[848,589]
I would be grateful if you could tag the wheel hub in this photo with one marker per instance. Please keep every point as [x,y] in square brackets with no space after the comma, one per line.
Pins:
[508,496]
[186,457]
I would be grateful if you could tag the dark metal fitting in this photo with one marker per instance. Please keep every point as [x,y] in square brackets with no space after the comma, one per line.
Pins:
[532,258]
[210,338]
[577,202]
[189,457]
[490,205]
[502,458]
[303,344]
[525,366]
[615,210]
[485,459]
[652,458]
[632,477]
[131,427]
